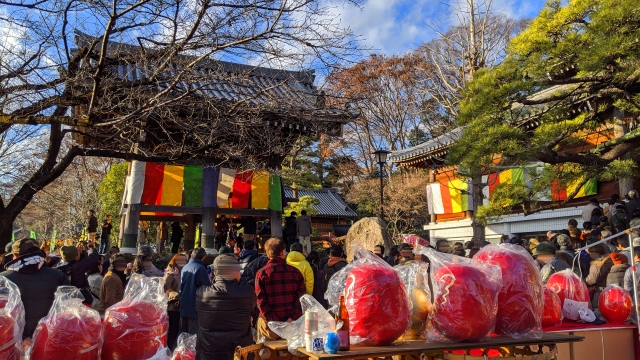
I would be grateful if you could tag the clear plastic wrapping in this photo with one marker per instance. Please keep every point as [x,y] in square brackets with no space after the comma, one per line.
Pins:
[465,300]
[521,298]
[615,304]
[11,320]
[294,332]
[552,314]
[186,349]
[572,291]
[376,299]
[415,277]
[136,327]
[414,240]
[70,331]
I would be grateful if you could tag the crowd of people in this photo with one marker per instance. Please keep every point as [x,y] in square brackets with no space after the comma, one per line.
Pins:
[262,287]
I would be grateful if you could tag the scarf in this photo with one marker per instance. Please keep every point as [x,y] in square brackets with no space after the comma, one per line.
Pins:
[26,264]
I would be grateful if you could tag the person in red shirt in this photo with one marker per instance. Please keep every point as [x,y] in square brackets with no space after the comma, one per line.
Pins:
[278,289]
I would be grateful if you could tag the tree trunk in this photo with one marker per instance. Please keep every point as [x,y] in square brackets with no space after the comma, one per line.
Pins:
[477,196]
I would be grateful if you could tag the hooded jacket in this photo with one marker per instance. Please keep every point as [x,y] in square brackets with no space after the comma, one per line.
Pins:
[333,266]
[246,257]
[224,318]
[304,226]
[616,275]
[37,284]
[298,261]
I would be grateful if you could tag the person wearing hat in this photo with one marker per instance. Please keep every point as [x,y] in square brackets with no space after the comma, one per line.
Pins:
[114,282]
[619,220]
[619,268]
[219,333]
[6,256]
[76,269]
[551,261]
[37,283]
[225,250]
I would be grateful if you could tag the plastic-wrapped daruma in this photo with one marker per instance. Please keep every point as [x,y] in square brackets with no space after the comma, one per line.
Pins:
[520,300]
[186,349]
[67,336]
[134,331]
[615,304]
[136,328]
[569,286]
[465,297]
[552,314]
[8,349]
[377,303]
[11,320]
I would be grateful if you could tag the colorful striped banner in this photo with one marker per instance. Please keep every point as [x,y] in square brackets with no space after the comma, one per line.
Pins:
[172,184]
[260,190]
[275,193]
[227,178]
[198,185]
[448,198]
[560,192]
[241,190]
[193,177]
[153,178]
[210,179]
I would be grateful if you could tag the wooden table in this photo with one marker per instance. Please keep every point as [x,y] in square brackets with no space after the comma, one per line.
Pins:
[422,350]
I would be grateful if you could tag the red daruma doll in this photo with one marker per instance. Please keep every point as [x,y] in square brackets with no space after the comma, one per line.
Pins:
[465,297]
[571,290]
[552,314]
[520,301]
[11,320]
[70,331]
[136,328]
[615,304]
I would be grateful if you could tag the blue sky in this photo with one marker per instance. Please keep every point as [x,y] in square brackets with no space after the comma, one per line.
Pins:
[395,26]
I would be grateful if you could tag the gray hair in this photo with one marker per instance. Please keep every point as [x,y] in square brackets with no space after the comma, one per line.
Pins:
[198,253]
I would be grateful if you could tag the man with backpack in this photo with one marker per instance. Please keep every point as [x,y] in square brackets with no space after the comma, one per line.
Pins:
[75,269]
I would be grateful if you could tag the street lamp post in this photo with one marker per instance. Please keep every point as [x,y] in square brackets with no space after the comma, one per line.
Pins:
[381,158]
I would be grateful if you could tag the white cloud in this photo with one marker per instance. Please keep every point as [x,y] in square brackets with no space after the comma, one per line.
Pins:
[390,26]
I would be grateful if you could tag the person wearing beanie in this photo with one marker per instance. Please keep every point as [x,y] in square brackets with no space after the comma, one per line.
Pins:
[37,283]
[218,333]
[6,256]
[566,246]
[620,266]
[114,282]
[76,268]
[551,262]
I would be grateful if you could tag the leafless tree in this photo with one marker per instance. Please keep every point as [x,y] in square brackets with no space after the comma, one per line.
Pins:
[477,40]
[148,80]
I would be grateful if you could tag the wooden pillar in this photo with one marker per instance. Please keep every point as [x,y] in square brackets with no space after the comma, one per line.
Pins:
[432,178]
[162,236]
[276,224]
[208,237]
[130,234]
[190,232]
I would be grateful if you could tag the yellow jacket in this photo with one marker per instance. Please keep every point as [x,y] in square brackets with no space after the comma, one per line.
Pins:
[298,261]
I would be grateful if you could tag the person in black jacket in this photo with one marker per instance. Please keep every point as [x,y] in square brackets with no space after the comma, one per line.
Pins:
[335,264]
[176,236]
[224,312]
[247,255]
[92,227]
[105,234]
[37,283]
[76,269]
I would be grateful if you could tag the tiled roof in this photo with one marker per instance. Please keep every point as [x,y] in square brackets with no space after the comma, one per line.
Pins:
[331,204]
[429,147]
[225,81]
